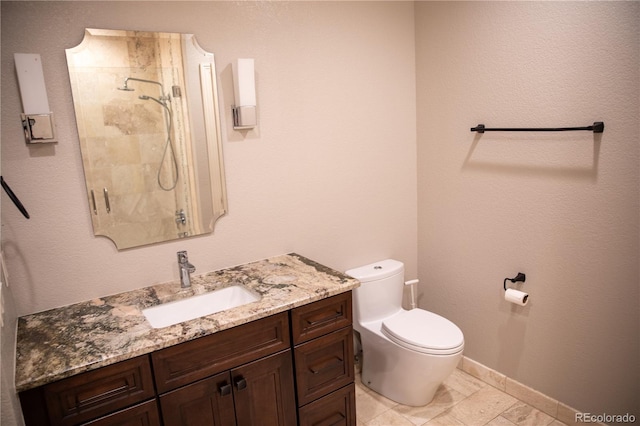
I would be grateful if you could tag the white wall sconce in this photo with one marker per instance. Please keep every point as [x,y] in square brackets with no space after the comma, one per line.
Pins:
[244,89]
[37,119]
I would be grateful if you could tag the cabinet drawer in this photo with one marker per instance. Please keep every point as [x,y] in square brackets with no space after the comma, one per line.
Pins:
[187,362]
[324,365]
[337,408]
[95,393]
[145,414]
[321,317]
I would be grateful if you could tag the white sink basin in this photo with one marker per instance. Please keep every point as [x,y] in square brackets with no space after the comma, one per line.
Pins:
[199,306]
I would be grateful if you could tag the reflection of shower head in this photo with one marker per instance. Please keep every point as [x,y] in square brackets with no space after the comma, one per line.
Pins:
[126,87]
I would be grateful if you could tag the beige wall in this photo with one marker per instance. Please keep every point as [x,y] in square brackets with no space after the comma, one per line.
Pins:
[562,208]
[329,172]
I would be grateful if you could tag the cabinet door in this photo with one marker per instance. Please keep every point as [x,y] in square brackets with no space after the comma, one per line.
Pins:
[208,402]
[264,392]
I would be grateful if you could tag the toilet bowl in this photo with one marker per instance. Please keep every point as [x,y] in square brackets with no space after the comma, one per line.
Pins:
[406,355]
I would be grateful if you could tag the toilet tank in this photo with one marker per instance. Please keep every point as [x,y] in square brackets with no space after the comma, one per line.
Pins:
[380,292]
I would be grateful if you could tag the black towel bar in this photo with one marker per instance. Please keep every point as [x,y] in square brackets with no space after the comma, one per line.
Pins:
[598,127]
[14,198]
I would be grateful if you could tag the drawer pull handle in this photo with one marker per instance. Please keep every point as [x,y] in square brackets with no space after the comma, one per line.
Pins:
[327,365]
[241,383]
[317,319]
[105,396]
[225,389]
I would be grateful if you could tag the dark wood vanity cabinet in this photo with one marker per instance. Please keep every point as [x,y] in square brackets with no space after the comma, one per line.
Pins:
[290,368]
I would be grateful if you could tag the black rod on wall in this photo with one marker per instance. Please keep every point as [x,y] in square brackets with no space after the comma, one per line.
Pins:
[14,198]
[598,127]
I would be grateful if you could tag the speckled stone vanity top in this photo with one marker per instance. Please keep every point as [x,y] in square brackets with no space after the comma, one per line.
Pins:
[65,341]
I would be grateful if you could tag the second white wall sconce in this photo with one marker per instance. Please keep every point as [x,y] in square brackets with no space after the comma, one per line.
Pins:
[37,119]
[244,89]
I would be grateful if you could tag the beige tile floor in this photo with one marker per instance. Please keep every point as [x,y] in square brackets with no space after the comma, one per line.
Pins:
[461,400]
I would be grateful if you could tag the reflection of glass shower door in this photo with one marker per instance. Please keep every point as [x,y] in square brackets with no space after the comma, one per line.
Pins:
[134,156]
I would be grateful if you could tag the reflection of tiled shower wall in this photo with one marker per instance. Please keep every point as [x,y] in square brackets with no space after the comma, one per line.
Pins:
[126,139]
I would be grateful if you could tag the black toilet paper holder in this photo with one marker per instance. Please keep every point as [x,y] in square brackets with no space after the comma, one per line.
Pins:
[518,278]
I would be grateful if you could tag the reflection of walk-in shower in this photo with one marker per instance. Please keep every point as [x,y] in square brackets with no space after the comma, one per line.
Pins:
[162,101]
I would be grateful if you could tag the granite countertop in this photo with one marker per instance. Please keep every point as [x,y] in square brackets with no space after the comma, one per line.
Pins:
[65,341]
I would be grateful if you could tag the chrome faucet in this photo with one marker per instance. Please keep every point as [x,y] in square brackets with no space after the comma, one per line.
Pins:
[186,268]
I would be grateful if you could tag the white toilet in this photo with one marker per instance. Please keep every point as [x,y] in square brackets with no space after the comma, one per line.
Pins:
[406,355]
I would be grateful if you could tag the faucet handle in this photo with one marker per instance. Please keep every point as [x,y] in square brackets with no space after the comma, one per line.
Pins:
[182,257]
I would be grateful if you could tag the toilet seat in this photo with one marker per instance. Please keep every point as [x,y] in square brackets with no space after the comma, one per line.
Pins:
[424,332]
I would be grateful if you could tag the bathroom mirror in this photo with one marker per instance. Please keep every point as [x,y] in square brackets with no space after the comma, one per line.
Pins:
[147,113]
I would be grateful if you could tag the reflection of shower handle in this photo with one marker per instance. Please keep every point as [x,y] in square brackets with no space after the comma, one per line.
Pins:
[93,202]
[181,218]
[106,200]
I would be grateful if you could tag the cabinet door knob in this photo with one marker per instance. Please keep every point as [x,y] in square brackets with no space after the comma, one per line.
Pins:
[241,383]
[225,389]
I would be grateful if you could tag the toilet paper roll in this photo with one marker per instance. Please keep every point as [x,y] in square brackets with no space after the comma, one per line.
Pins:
[516,296]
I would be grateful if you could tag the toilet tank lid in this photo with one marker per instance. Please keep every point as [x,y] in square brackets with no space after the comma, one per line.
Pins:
[377,270]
